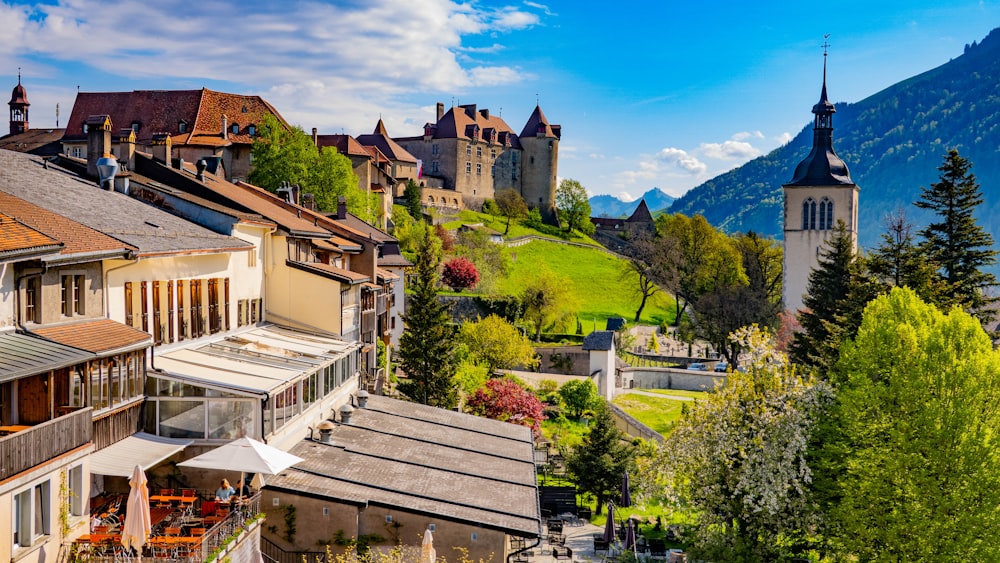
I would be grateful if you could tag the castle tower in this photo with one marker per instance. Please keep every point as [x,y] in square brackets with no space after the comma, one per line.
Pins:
[18,108]
[820,193]
[540,164]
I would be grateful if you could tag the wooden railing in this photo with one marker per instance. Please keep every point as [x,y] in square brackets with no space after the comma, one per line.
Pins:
[36,445]
[117,425]
[368,325]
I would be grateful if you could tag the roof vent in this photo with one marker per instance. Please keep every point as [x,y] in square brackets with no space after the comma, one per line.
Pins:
[107,167]
[345,413]
[201,165]
[326,431]
[362,399]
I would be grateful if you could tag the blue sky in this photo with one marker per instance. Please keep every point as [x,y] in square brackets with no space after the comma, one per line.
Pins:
[665,94]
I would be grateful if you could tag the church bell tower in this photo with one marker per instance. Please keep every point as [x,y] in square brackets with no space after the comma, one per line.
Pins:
[18,108]
[820,194]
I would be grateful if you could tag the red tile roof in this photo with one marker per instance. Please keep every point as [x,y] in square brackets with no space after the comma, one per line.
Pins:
[458,122]
[15,235]
[333,272]
[97,336]
[389,148]
[75,237]
[345,144]
[162,111]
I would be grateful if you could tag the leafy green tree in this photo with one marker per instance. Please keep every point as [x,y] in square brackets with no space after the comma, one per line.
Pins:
[547,301]
[286,154]
[910,462]
[705,259]
[649,261]
[573,206]
[956,243]
[497,344]
[511,205]
[579,395]
[411,195]
[489,258]
[738,457]
[598,464]
[427,346]
[838,291]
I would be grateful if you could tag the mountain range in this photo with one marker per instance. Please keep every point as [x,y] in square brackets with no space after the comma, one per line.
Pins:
[893,143]
[611,206]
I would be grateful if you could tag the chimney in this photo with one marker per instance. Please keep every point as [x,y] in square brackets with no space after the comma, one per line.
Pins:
[362,399]
[212,164]
[341,208]
[440,111]
[485,113]
[225,127]
[315,137]
[200,166]
[98,141]
[161,146]
[309,202]
[325,431]
[126,147]
[345,414]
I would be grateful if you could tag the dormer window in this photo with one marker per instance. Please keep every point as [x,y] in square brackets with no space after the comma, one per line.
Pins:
[182,126]
[244,109]
[251,130]
[235,128]
[85,128]
[136,126]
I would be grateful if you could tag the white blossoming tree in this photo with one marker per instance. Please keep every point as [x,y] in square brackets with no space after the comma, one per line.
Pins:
[738,458]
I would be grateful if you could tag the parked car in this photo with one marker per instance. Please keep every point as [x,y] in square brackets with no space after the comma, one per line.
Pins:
[722,367]
[698,366]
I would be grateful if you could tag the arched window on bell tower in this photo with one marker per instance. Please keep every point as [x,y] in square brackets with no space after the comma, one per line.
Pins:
[809,214]
[825,214]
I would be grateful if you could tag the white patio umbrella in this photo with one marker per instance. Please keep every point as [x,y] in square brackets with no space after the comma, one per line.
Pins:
[137,526]
[245,455]
[427,553]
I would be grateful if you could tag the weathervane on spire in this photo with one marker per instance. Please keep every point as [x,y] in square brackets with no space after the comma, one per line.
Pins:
[18,75]
[826,44]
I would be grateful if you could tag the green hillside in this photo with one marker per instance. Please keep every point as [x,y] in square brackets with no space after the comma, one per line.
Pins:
[892,141]
[594,281]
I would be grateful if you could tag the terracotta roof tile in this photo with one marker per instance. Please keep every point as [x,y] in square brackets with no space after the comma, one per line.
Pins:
[537,122]
[457,120]
[345,144]
[15,235]
[74,236]
[97,336]
[162,111]
[339,274]
[389,148]
[265,203]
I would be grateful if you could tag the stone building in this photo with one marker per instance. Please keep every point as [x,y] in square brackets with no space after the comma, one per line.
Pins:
[474,153]
[819,194]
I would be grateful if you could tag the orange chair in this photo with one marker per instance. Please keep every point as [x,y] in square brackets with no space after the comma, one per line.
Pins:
[198,532]
[171,531]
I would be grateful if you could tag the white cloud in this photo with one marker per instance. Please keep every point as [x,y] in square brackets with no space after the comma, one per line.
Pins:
[729,150]
[783,138]
[544,8]
[744,135]
[681,159]
[322,63]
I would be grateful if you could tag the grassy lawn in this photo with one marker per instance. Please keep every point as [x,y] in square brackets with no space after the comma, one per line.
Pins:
[658,413]
[594,280]
[499,224]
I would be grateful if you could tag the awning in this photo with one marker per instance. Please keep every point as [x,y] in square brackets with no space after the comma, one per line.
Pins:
[144,450]
[100,336]
[22,355]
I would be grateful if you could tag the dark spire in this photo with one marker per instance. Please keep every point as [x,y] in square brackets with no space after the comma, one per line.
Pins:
[822,167]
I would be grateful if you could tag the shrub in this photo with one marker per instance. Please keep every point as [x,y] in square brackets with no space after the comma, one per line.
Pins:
[460,273]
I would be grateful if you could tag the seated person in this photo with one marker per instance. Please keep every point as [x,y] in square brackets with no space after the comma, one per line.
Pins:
[224,491]
[244,488]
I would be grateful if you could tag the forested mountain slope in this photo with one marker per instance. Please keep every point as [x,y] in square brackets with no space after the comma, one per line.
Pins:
[893,142]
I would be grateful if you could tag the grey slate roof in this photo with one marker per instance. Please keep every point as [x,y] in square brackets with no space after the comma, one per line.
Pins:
[149,229]
[426,460]
[615,323]
[22,355]
[599,340]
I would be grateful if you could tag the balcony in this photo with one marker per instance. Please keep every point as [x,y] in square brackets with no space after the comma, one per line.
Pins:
[37,444]
[368,326]
[120,423]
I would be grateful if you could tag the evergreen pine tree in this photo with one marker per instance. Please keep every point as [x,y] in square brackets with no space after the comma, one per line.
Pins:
[411,194]
[838,291]
[601,460]
[427,346]
[960,247]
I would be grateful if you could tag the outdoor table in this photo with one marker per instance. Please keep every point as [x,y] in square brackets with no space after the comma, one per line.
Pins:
[172,498]
[12,428]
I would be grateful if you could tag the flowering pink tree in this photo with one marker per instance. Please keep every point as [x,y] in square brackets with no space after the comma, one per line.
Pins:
[506,400]
[460,273]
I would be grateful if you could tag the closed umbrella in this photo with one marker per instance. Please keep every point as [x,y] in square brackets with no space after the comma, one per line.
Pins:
[137,525]
[427,553]
[626,494]
[257,483]
[629,536]
[609,526]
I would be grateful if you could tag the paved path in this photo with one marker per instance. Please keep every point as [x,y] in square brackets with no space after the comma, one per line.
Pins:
[661,395]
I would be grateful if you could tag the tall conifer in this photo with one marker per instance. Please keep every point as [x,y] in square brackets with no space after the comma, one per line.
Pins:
[956,243]
[427,346]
